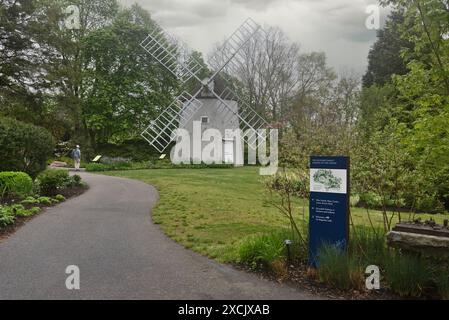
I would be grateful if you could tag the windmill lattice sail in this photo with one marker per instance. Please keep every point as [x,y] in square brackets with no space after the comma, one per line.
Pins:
[250,121]
[161,132]
[229,56]
[173,54]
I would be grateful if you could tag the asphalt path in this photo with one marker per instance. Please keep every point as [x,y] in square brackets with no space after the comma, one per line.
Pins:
[109,235]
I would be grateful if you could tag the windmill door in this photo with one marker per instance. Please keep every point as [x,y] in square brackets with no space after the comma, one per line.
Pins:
[229,152]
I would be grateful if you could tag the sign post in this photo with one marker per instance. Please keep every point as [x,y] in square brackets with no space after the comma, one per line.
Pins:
[329,204]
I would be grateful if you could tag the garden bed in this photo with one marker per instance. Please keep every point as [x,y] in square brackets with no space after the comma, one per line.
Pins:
[7,231]
[301,277]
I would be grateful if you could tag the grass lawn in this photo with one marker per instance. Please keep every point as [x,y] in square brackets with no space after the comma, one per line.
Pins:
[210,210]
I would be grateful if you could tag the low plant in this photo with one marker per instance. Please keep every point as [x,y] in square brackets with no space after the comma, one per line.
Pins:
[339,269]
[76,181]
[283,188]
[60,198]
[408,275]
[25,147]
[50,181]
[35,210]
[97,167]
[156,164]
[15,183]
[115,161]
[369,245]
[6,216]
[29,201]
[263,251]
[45,201]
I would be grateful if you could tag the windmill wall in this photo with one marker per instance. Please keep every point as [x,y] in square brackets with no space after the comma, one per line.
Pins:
[218,118]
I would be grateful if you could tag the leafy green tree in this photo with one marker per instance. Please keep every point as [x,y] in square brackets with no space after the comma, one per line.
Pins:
[385,57]
[124,88]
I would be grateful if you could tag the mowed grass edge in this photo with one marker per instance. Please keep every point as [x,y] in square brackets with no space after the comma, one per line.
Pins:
[211,210]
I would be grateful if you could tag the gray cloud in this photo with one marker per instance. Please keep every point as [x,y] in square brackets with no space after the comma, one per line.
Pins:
[336,27]
[255,4]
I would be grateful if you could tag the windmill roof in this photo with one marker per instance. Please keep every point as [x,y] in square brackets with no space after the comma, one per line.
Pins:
[220,88]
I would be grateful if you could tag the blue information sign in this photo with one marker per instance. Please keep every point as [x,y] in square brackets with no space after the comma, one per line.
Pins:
[329,204]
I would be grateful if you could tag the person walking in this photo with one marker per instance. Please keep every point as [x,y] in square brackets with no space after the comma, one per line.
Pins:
[77,158]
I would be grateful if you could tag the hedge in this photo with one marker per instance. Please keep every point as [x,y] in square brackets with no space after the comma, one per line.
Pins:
[24,147]
[15,183]
[50,181]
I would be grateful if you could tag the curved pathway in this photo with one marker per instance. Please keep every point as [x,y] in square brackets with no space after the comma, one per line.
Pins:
[121,254]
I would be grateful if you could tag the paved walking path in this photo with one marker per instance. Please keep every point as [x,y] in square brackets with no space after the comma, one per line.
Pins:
[109,235]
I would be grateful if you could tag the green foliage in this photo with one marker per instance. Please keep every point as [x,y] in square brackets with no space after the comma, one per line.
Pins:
[384,59]
[15,183]
[6,216]
[45,201]
[138,150]
[263,250]
[60,198]
[24,147]
[339,269]
[29,201]
[75,181]
[407,275]
[9,213]
[100,167]
[19,211]
[50,181]
[283,188]
[368,245]
[97,167]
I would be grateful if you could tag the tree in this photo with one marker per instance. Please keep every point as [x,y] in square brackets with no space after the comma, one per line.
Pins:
[267,69]
[385,57]
[124,89]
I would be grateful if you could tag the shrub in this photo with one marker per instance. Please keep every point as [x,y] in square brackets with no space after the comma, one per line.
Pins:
[15,183]
[408,275]
[115,161]
[50,181]
[264,250]
[60,198]
[76,180]
[339,269]
[6,216]
[24,147]
[30,200]
[96,167]
[371,200]
[45,201]
[369,245]
[35,210]
[20,211]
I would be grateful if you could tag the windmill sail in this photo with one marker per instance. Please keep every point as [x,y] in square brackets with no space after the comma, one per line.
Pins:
[174,56]
[161,132]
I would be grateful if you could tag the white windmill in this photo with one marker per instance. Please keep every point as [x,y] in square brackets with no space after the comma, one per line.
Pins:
[218,108]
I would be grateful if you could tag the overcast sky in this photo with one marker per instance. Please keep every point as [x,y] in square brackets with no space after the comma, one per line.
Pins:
[336,27]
